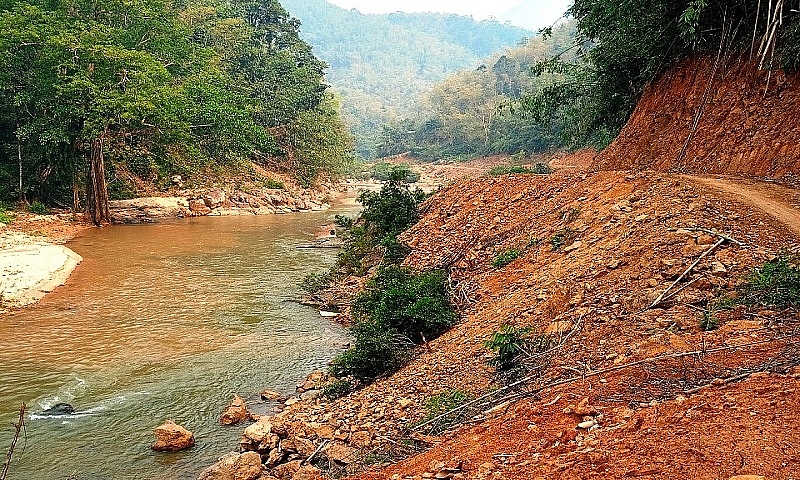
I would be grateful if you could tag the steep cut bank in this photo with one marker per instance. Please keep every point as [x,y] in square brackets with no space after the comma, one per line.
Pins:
[703,117]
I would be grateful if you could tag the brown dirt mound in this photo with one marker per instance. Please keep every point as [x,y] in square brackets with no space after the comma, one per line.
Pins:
[734,119]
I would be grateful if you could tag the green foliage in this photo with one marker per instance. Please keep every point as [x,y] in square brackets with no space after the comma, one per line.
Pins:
[38,208]
[563,237]
[509,344]
[709,321]
[505,258]
[477,111]
[382,63]
[274,184]
[169,88]
[5,218]
[376,351]
[444,402]
[384,171]
[343,221]
[386,214]
[314,282]
[621,47]
[336,389]
[413,304]
[776,284]
[539,169]
[395,307]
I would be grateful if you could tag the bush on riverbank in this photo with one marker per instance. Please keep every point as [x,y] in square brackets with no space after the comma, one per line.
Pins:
[373,236]
[396,309]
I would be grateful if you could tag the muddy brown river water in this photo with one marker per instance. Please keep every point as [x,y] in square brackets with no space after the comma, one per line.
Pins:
[161,321]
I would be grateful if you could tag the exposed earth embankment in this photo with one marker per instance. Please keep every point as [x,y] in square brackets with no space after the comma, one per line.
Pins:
[710,117]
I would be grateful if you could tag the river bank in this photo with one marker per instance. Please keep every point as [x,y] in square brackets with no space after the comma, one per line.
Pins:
[34,260]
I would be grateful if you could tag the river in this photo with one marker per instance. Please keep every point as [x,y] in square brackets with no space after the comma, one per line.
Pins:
[161,321]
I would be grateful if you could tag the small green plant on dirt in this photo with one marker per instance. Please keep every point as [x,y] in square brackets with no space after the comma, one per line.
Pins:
[571,215]
[336,389]
[507,170]
[776,284]
[563,237]
[542,169]
[38,208]
[505,258]
[510,344]
[444,402]
[5,218]
[343,221]
[709,321]
[315,282]
[273,184]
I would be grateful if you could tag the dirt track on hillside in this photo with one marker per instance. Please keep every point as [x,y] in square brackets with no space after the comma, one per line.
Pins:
[779,202]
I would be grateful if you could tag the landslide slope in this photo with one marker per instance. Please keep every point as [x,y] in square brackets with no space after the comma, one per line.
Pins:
[704,117]
[669,400]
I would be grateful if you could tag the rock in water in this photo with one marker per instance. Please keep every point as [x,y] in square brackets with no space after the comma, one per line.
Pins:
[245,466]
[235,412]
[60,409]
[171,437]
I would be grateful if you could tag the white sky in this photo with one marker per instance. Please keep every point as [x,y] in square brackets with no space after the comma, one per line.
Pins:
[479,9]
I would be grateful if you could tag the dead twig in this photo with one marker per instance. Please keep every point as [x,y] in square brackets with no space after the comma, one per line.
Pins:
[719,235]
[686,272]
[310,457]
[17,428]
[703,351]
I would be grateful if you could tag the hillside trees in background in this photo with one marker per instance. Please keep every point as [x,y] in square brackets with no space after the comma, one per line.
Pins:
[477,112]
[151,88]
[622,47]
[380,64]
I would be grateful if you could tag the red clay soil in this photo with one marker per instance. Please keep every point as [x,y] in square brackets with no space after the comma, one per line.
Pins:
[668,399]
[734,119]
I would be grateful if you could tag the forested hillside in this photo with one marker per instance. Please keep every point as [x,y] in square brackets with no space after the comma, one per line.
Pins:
[479,111]
[381,63]
[150,89]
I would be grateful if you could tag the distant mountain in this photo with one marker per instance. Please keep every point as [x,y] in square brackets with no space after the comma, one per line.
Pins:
[381,63]
[536,14]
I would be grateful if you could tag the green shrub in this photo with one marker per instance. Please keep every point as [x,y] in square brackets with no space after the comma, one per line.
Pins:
[509,344]
[376,352]
[505,258]
[563,237]
[274,184]
[413,305]
[709,321]
[336,389]
[314,282]
[444,402]
[5,218]
[343,221]
[384,171]
[776,284]
[386,214]
[38,208]
[539,169]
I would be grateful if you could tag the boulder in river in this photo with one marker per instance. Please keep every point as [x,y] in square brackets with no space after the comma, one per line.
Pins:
[171,437]
[235,466]
[235,412]
[60,409]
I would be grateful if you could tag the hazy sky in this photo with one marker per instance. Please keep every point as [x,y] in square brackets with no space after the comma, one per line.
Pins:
[546,11]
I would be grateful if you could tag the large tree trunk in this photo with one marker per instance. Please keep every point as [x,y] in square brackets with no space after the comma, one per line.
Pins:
[96,187]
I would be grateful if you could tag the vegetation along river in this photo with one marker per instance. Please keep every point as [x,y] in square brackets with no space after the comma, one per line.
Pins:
[161,321]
